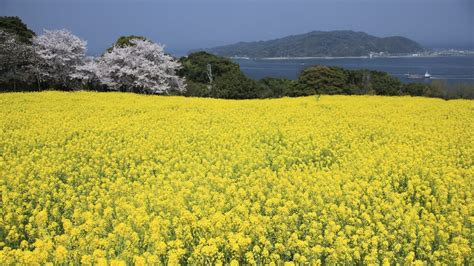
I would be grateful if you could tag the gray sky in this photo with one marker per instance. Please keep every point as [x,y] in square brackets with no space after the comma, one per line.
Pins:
[190,24]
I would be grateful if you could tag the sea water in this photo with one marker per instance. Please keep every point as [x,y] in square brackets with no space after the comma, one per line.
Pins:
[453,70]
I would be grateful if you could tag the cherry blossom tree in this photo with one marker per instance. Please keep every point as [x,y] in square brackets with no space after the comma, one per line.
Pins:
[61,54]
[141,67]
[16,59]
[86,74]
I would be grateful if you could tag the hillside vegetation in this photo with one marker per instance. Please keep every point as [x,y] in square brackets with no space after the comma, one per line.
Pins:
[121,178]
[321,43]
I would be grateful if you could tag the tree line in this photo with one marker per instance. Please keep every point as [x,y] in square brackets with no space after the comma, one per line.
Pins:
[57,60]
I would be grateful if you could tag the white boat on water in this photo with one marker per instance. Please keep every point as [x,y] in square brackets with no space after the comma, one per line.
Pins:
[417,76]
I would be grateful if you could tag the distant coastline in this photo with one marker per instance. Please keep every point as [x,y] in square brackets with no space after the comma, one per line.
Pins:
[452,69]
[336,43]
[349,57]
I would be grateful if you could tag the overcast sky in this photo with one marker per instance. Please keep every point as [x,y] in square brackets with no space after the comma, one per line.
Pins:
[188,24]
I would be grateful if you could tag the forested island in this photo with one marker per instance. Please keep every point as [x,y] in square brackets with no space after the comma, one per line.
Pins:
[342,43]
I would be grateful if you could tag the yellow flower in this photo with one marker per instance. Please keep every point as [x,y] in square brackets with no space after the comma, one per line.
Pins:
[101,262]
[117,178]
[60,254]
[117,262]
[139,260]
[41,218]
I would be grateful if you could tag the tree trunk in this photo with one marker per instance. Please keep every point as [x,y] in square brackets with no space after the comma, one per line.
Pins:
[38,79]
[14,78]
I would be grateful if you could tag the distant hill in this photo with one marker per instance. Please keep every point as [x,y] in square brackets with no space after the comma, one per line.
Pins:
[320,43]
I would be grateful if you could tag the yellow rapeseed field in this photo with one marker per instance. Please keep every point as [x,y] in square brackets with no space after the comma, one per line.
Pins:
[118,178]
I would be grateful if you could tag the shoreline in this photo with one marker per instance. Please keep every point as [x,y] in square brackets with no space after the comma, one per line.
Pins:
[344,57]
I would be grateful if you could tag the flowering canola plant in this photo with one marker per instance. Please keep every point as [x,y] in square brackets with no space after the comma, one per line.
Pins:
[118,178]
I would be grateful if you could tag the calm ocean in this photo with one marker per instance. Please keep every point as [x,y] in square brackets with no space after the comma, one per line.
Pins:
[451,69]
